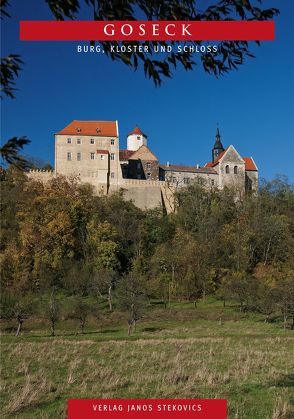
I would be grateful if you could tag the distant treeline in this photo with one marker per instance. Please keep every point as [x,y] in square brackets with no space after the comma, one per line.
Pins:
[59,239]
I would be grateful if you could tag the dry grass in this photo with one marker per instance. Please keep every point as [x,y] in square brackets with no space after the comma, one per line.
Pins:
[39,377]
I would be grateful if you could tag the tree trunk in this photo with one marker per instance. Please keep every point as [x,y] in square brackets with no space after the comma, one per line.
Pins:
[135,325]
[285,322]
[52,328]
[20,322]
[203,291]
[195,303]
[292,325]
[110,298]
[129,328]
[224,302]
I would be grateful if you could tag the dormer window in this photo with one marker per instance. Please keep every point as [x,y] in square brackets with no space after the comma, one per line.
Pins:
[79,129]
[98,130]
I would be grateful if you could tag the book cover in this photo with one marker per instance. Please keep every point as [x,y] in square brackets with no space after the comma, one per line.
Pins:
[147,209]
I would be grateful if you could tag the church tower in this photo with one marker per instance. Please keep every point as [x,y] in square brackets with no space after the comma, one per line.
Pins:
[218,147]
[136,139]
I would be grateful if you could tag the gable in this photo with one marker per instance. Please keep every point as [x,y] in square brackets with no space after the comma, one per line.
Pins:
[231,156]
[144,154]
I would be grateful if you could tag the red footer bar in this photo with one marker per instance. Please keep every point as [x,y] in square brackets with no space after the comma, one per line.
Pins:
[147,31]
[147,408]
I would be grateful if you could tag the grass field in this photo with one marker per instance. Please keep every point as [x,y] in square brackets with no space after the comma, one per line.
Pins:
[179,352]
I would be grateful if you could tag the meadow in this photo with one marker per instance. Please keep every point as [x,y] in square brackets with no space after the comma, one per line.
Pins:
[178,352]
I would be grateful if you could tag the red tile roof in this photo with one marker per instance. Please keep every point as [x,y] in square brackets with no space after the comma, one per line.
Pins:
[102,152]
[95,128]
[249,164]
[137,131]
[215,162]
[125,154]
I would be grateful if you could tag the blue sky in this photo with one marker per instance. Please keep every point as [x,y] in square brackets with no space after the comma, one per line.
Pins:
[253,106]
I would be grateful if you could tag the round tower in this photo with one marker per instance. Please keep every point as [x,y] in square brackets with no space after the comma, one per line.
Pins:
[218,147]
[136,139]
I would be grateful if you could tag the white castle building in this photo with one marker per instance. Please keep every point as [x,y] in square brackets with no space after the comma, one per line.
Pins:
[90,151]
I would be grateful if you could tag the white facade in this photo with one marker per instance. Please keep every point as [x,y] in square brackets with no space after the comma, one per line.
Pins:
[135,141]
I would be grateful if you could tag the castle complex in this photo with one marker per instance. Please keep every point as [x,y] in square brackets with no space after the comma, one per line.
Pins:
[90,151]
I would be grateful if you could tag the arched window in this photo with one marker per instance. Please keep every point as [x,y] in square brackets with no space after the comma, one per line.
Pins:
[227,168]
[235,170]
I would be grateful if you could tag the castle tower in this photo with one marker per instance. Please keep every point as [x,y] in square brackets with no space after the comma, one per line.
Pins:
[136,139]
[218,147]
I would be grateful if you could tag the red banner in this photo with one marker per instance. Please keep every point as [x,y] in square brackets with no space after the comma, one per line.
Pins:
[147,408]
[147,30]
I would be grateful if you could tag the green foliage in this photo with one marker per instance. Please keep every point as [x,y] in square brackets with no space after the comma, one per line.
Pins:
[60,235]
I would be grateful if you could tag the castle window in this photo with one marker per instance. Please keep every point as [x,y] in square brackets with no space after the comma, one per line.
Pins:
[212,182]
[227,169]
[68,156]
[186,180]
[112,175]
[78,141]
[69,141]
[92,141]
[148,165]
[148,176]
[92,156]
[79,156]
[112,141]
[112,156]
[235,170]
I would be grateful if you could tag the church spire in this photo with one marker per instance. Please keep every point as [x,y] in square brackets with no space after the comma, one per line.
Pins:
[218,147]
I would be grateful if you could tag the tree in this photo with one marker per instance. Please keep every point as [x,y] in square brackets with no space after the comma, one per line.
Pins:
[81,311]
[240,287]
[53,310]
[131,293]
[18,307]
[228,57]
[285,299]
[9,152]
